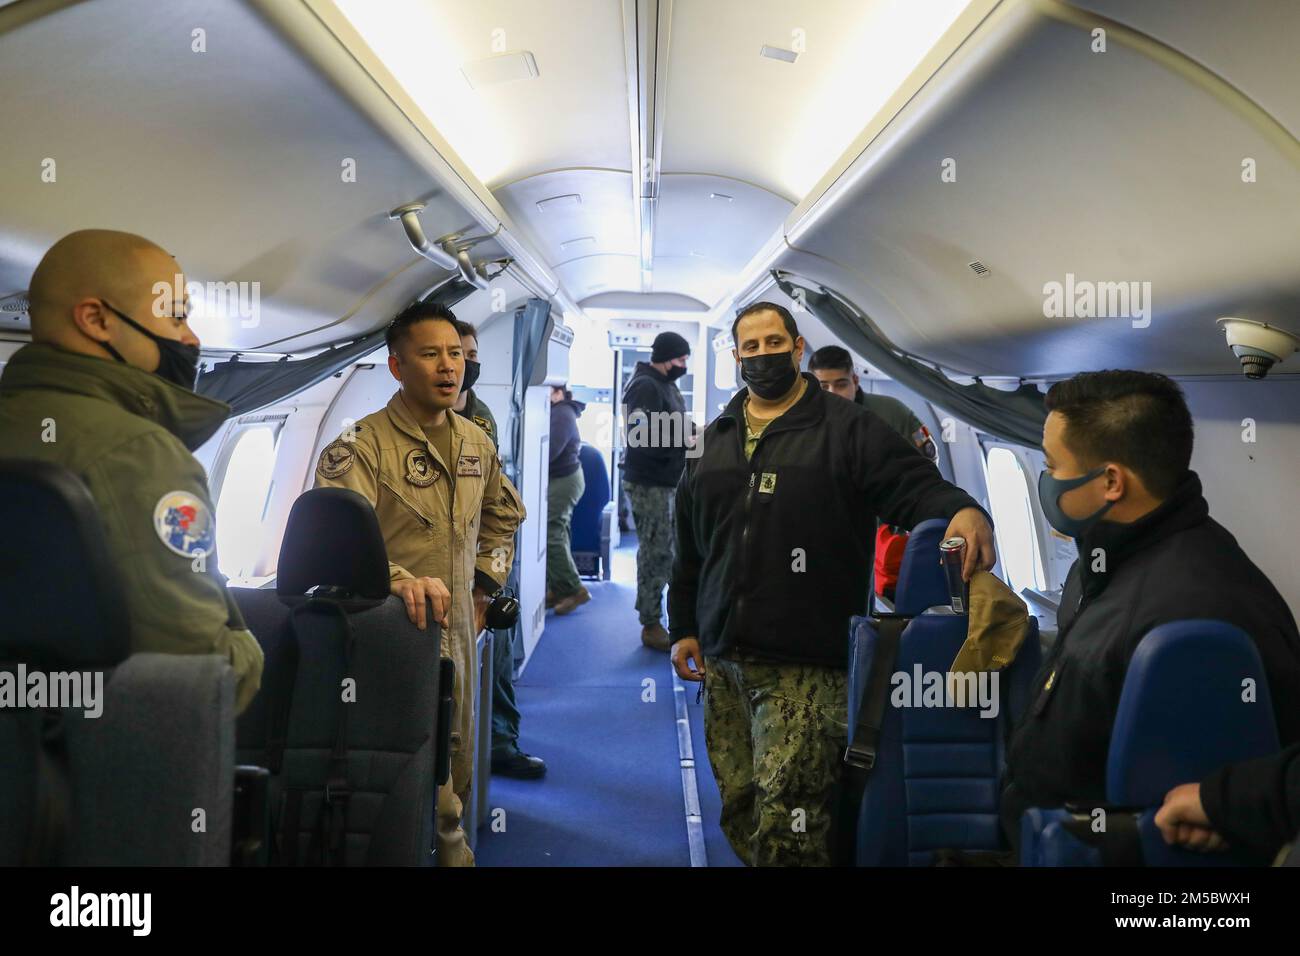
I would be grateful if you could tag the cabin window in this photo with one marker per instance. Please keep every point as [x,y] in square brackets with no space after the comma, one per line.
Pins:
[245,490]
[1013,518]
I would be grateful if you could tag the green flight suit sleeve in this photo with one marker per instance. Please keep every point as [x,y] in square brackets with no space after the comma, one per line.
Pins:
[355,465]
[179,603]
[500,516]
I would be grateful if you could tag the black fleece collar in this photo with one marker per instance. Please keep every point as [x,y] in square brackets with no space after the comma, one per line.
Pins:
[1185,508]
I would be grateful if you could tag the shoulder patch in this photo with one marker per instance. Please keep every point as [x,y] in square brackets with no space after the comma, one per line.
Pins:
[335,460]
[483,423]
[183,523]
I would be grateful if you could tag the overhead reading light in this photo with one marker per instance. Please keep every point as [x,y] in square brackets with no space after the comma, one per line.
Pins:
[580,241]
[777,53]
[495,70]
[555,202]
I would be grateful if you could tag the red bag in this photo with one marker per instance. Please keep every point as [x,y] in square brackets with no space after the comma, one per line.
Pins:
[890,545]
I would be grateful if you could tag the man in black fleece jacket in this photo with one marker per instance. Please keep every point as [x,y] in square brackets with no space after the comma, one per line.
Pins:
[776,521]
[1118,445]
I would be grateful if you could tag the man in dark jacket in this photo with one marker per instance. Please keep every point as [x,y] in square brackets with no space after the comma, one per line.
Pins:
[565,487]
[775,524]
[1118,447]
[1254,804]
[657,435]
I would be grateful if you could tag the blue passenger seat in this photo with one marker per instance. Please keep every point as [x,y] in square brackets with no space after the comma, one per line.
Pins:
[1195,698]
[935,783]
[593,517]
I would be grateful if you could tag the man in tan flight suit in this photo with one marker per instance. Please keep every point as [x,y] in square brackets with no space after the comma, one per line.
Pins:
[106,389]
[447,514]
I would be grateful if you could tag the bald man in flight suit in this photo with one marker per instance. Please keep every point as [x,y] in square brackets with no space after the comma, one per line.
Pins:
[106,389]
[447,514]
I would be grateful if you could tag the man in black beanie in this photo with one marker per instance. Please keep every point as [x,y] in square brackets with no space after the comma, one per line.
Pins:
[658,432]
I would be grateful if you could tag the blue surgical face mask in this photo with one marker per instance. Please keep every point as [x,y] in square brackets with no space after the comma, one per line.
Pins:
[1050,490]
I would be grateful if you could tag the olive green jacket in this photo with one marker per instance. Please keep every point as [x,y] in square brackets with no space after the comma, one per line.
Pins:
[476,410]
[128,434]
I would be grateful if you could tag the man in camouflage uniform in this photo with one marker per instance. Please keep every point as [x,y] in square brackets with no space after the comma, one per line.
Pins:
[774,526]
[507,759]
[655,456]
[447,515]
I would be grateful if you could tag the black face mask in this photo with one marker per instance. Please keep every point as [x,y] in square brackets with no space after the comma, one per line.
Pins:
[675,372]
[472,369]
[178,363]
[769,376]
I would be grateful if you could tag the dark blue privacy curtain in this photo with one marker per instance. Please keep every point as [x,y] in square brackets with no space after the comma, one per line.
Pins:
[1015,417]
[248,386]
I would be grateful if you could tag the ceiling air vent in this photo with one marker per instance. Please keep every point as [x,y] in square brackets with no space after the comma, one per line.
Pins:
[554,202]
[777,53]
[15,304]
[979,268]
[495,70]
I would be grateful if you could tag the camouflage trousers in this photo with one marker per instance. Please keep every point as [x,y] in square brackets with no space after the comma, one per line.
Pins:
[776,734]
[652,510]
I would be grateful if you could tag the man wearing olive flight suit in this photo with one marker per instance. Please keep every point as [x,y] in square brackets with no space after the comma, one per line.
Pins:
[105,389]
[447,515]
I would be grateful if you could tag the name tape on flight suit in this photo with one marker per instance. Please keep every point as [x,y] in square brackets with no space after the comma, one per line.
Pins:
[183,523]
[469,466]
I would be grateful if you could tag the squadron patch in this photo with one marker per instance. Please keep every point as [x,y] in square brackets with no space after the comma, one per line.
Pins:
[483,423]
[925,444]
[183,523]
[420,471]
[469,466]
[335,460]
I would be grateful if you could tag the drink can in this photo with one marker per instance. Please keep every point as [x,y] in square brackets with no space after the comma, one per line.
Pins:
[952,553]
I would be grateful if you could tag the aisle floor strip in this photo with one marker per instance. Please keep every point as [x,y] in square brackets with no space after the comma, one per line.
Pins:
[690,792]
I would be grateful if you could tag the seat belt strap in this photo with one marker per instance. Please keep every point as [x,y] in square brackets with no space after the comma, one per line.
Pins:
[47,837]
[860,755]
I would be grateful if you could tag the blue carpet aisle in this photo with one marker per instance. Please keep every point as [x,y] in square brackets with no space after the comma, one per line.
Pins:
[612,795]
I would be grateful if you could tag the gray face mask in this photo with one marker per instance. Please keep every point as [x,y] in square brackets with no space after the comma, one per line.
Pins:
[1050,490]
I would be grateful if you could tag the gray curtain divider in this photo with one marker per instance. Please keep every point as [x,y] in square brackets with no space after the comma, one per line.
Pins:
[531,331]
[1015,417]
[248,386]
